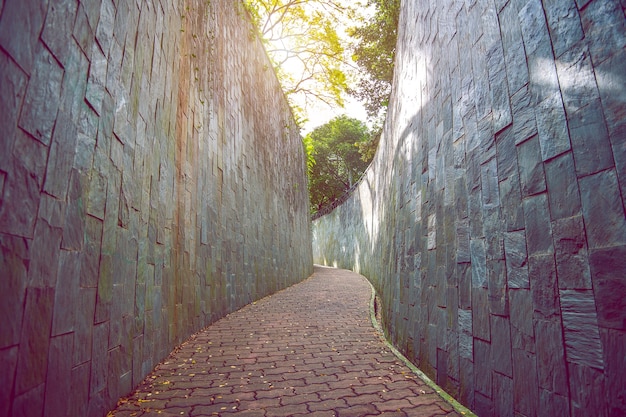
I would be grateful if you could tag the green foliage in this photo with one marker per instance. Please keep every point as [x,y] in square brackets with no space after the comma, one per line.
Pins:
[335,162]
[304,47]
[374,53]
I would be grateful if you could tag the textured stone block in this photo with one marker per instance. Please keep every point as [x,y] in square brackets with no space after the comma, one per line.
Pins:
[552,126]
[95,91]
[604,26]
[580,327]
[483,373]
[608,267]
[532,177]
[479,263]
[543,286]
[564,24]
[521,312]
[68,277]
[463,241]
[525,384]
[489,184]
[44,255]
[58,28]
[563,194]
[516,259]
[74,230]
[511,203]
[14,264]
[524,120]
[498,301]
[83,325]
[572,258]
[603,211]
[480,320]
[58,390]
[27,20]
[34,340]
[8,361]
[587,391]
[13,84]
[501,348]
[106,24]
[613,342]
[551,369]
[41,103]
[61,157]
[590,140]
[465,334]
[538,229]
[502,398]
[513,46]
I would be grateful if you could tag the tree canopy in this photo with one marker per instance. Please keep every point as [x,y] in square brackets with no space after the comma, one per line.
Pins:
[374,50]
[337,162]
[303,43]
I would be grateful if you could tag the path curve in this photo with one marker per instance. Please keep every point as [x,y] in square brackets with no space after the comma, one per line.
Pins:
[308,350]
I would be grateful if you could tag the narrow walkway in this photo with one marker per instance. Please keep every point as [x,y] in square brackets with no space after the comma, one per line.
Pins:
[307,350]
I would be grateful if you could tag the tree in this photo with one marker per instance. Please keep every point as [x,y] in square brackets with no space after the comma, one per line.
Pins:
[374,52]
[304,46]
[338,164]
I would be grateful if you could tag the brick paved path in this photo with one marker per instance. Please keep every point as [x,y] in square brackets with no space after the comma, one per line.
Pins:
[307,350]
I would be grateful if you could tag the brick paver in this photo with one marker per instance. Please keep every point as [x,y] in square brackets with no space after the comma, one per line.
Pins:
[310,349]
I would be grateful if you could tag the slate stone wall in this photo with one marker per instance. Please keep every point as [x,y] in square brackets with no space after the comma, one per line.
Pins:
[152,180]
[492,220]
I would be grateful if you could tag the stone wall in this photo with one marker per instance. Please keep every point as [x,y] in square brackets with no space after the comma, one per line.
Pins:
[492,220]
[152,180]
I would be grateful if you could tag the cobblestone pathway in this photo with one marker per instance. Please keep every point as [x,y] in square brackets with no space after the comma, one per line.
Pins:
[308,350]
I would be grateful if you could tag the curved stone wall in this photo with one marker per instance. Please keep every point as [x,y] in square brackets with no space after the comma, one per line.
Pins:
[492,221]
[144,147]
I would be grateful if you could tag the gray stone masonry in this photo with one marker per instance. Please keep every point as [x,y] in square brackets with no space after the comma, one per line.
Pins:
[152,180]
[492,220]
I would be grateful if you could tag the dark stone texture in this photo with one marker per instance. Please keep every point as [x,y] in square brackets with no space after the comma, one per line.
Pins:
[58,28]
[13,82]
[501,347]
[564,24]
[551,369]
[588,391]
[522,331]
[59,393]
[552,127]
[516,259]
[603,211]
[603,24]
[532,177]
[608,267]
[511,200]
[502,389]
[524,121]
[480,320]
[22,186]
[572,258]
[14,264]
[538,229]
[61,157]
[34,340]
[41,102]
[613,342]
[543,286]
[8,360]
[26,19]
[498,301]
[525,383]
[563,193]
[483,374]
[580,327]
[68,277]
[590,140]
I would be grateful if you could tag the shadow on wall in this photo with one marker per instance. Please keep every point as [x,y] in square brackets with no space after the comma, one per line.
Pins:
[492,220]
